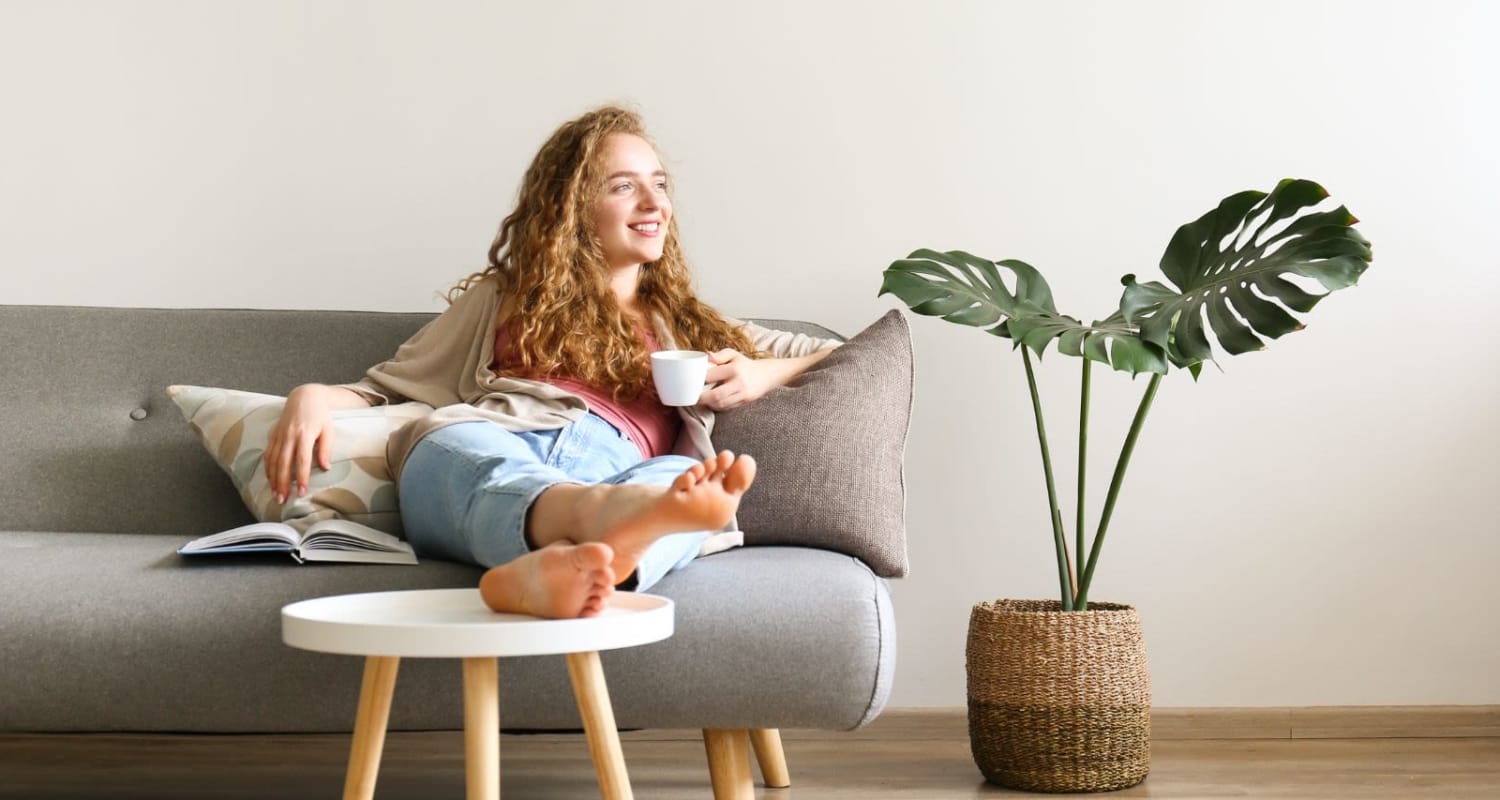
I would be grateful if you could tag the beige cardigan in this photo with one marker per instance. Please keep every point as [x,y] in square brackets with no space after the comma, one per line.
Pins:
[446,365]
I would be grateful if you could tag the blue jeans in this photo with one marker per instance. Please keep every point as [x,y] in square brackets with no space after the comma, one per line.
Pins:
[466,489]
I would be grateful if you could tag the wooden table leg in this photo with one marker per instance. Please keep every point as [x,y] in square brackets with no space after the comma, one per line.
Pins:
[729,763]
[482,728]
[598,715]
[369,726]
[772,758]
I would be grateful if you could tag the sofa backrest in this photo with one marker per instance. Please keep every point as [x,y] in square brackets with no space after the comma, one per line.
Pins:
[89,440]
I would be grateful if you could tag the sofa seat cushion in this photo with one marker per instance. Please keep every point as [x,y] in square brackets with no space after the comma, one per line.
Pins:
[114,632]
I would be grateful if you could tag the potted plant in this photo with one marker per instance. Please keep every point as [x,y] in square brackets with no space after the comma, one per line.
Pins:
[1059,697]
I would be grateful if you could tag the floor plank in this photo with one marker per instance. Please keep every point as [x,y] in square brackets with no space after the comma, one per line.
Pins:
[930,764]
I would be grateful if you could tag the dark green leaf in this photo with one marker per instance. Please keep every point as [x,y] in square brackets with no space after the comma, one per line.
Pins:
[1190,338]
[1228,265]
[1264,315]
[1233,335]
[1070,342]
[969,290]
[1287,292]
[1132,355]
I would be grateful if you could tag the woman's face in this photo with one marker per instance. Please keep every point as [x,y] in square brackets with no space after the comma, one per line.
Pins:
[631,216]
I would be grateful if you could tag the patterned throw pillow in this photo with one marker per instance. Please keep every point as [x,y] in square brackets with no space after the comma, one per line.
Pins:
[235,427]
[829,448]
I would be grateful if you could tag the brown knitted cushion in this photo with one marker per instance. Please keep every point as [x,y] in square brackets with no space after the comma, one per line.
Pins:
[829,448]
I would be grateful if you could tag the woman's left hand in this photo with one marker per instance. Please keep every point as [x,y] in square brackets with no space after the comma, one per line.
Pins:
[740,378]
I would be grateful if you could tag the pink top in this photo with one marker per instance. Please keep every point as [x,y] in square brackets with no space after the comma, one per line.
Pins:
[651,426]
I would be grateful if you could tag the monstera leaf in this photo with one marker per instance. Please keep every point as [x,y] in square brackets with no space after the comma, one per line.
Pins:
[1230,265]
[966,289]
[1109,341]
[969,290]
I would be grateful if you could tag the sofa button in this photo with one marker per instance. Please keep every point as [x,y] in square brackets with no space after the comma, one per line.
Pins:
[138,414]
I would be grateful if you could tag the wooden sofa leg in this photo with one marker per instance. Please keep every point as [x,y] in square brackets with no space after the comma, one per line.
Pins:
[729,763]
[772,758]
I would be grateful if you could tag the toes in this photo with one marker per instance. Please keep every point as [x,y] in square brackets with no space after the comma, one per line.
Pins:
[593,603]
[715,464]
[740,475]
[592,556]
[688,479]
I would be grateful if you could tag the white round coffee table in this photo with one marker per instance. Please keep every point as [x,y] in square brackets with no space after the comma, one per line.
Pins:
[455,623]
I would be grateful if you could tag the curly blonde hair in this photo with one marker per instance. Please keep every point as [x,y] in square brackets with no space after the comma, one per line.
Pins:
[549,258]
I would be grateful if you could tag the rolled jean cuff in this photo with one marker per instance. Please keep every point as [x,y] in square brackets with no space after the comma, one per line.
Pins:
[494,525]
[673,551]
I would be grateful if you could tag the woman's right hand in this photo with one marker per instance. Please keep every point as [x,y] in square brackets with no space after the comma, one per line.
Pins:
[305,429]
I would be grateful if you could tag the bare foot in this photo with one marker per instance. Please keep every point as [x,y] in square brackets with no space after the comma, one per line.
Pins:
[558,581]
[631,518]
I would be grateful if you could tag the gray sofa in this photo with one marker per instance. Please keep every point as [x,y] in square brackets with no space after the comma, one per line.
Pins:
[104,628]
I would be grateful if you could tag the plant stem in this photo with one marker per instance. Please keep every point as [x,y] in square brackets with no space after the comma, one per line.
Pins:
[1114,489]
[1083,449]
[1062,534]
[1064,571]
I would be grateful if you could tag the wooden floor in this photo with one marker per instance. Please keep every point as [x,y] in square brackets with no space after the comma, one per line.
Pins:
[916,755]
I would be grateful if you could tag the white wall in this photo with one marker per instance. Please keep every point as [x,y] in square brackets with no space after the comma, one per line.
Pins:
[1311,526]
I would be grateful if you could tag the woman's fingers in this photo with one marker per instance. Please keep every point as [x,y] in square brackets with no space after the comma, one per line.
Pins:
[272,449]
[289,459]
[303,464]
[726,365]
[282,466]
[304,428]
[723,397]
[325,447]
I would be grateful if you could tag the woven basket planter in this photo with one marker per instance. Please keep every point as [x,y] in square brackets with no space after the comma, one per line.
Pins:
[1059,701]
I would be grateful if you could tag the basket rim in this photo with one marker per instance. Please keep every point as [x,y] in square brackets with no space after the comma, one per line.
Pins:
[1033,607]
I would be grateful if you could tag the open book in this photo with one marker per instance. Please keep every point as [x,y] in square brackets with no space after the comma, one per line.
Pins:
[325,540]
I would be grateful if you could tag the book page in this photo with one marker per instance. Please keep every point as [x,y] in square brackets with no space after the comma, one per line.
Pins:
[361,556]
[268,535]
[342,534]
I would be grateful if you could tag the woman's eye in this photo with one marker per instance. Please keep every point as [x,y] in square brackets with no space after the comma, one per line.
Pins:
[661,186]
[619,187]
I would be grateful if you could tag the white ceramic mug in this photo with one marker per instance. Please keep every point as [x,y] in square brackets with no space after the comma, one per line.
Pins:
[679,375]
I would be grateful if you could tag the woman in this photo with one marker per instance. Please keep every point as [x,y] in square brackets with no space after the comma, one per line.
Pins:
[549,458]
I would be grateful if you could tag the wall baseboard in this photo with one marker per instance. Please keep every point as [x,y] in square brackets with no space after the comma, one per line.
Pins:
[1326,722]
[1187,723]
